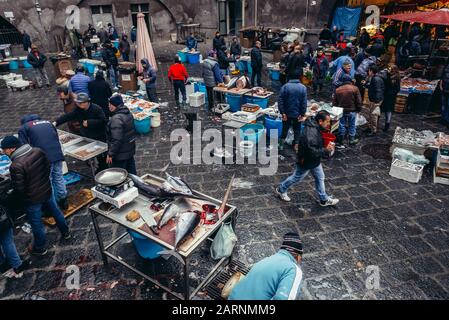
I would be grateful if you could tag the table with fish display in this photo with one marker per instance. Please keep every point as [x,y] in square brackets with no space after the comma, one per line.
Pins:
[171,215]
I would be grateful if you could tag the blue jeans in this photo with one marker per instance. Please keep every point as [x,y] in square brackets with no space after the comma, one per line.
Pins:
[125,56]
[113,75]
[34,215]
[445,106]
[8,251]
[300,174]
[57,181]
[347,119]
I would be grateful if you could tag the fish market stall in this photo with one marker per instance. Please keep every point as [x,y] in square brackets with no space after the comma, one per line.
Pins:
[313,107]
[81,148]
[418,93]
[416,141]
[165,213]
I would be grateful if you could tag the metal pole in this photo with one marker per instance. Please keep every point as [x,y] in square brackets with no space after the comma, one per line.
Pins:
[307,14]
[255,13]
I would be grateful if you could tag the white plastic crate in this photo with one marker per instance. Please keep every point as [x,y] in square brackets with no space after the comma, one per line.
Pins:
[197,99]
[406,171]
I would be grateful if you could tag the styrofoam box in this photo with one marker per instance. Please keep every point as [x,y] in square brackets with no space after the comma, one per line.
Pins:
[119,201]
[406,174]
[440,180]
[197,99]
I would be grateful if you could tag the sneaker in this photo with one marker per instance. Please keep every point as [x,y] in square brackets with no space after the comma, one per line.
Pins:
[329,202]
[353,140]
[34,252]
[63,204]
[67,236]
[283,196]
[12,274]
[387,127]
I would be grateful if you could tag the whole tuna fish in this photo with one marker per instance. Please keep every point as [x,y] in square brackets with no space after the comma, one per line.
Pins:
[187,222]
[176,207]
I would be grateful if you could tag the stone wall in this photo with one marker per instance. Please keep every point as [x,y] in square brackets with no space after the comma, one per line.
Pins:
[164,15]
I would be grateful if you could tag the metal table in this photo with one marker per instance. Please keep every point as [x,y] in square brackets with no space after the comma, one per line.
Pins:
[118,216]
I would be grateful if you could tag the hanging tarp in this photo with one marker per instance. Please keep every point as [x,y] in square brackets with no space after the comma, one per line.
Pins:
[347,20]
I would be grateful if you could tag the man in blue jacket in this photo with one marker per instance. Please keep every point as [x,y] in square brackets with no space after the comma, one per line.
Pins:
[149,78]
[274,278]
[292,105]
[43,135]
[191,42]
[79,82]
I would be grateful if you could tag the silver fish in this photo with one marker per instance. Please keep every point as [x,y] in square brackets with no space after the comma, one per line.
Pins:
[187,222]
[174,208]
[178,185]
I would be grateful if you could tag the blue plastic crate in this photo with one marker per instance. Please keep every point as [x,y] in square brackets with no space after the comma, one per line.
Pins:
[71,178]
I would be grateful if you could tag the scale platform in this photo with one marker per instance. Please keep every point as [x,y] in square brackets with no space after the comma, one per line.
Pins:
[120,200]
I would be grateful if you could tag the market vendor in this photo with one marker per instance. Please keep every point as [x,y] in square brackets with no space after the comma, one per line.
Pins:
[191,42]
[92,120]
[121,136]
[149,78]
[79,82]
[444,87]
[346,69]
[274,278]
[69,105]
[292,105]
[212,76]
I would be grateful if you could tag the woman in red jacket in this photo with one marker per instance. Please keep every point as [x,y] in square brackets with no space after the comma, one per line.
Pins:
[177,74]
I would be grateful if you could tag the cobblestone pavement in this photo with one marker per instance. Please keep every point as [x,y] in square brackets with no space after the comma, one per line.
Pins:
[402,228]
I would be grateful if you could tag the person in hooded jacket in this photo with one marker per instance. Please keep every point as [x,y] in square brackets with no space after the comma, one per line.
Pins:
[376,94]
[218,42]
[320,66]
[124,47]
[392,88]
[121,136]
[295,64]
[212,76]
[37,61]
[42,134]
[111,61]
[149,78]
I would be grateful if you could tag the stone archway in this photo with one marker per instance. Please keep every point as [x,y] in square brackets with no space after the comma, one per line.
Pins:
[9,33]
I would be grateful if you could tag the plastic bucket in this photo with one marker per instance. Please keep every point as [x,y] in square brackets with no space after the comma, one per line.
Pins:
[14,65]
[182,55]
[90,68]
[234,101]
[261,102]
[143,126]
[246,148]
[271,123]
[275,75]
[193,58]
[146,248]
[26,65]
[156,120]
[252,132]
[327,138]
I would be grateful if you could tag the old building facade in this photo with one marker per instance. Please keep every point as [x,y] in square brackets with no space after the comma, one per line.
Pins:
[45,20]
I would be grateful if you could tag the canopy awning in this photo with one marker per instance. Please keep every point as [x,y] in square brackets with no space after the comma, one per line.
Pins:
[437,17]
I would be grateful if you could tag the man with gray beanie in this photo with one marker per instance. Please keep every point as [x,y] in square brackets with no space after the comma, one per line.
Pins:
[274,278]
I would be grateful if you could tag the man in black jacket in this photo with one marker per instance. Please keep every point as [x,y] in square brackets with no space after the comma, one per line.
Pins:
[37,60]
[91,117]
[121,136]
[376,92]
[256,64]
[325,36]
[218,42]
[100,92]
[93,122]
[311,150]
[295,65]
[111,62]
[30,176]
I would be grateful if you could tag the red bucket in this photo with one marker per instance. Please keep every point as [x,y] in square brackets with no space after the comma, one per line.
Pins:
[327,138]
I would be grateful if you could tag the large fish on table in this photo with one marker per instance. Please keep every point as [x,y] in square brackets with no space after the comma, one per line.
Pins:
[175,187]
[173,209]
[185,225]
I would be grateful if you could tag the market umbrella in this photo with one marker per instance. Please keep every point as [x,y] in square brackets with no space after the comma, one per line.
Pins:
[143,43]
[437,17]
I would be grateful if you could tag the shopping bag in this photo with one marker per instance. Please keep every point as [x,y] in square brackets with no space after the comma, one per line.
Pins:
[290,136]
[224,242]
[360,120]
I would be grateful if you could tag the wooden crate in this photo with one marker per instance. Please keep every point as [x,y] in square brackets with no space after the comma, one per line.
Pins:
[401,104]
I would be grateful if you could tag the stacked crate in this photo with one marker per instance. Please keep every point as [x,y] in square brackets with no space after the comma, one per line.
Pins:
[401,103]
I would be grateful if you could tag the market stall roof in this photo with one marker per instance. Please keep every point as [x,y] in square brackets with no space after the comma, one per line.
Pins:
[437,17]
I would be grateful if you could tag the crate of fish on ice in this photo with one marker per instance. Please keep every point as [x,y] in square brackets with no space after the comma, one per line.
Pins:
[406,171]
